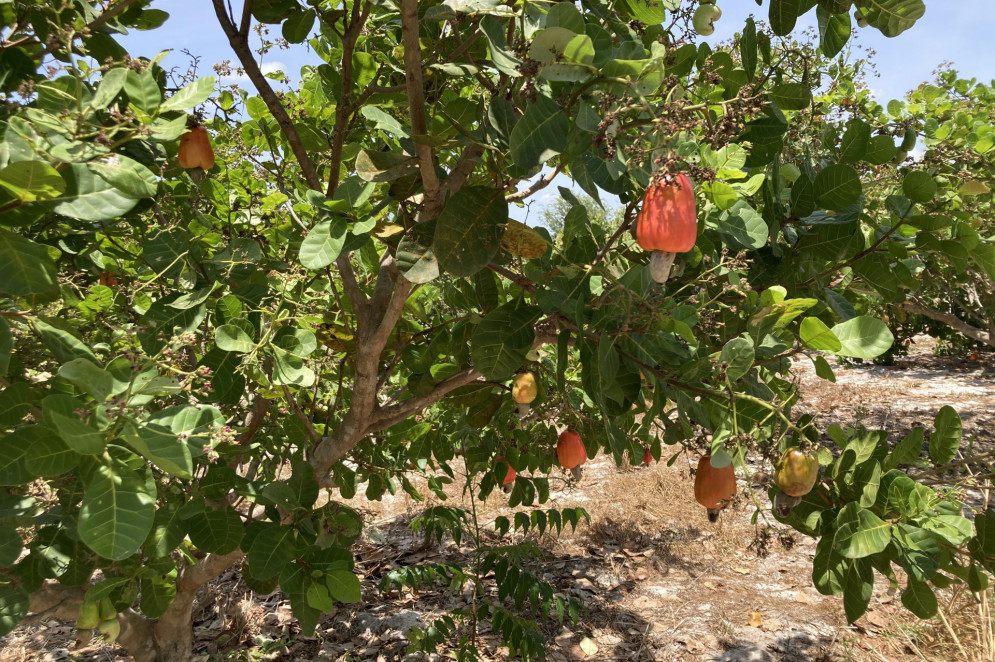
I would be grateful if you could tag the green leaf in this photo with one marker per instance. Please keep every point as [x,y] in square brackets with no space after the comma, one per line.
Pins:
[944,442]
[79,436]
[415,259]
[13,448]
[917,551]
[11,546]
[880,150]
[142,90]
[232,338]
[919,187]
[271,550]
[160,446]
[157,594]
[783,15]
[28,269]
[837,186]
[49,456]
[502,340]
[29,181]
[863,337]
[650,12]
[816,335]
[737,355]
[743,227]
[126,175]
[953,529]
[297,28]
[791,96]
[64,345]
[13,604]
[855,141]
[541,133]
[503,59]
[860,532]
[89,197]
[168,530]
[908,449]
[858,585]
[827,568]
[823,370]
[919,598]
[323,243]
[216,531]
[468,231]
[91,378]
[110,86]
[117,512]
[6,348]
[343,586]
[893,17]
[296,582]
[834,31]
[190,95]
[748,48]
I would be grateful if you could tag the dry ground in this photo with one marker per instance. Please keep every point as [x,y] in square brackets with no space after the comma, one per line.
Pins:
[659,581]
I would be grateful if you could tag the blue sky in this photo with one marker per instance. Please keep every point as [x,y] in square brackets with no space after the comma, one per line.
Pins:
[958,31]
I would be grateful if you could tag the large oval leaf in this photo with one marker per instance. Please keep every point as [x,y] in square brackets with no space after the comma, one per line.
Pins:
[863,337]
[117,512]
[503,339]
[469,230]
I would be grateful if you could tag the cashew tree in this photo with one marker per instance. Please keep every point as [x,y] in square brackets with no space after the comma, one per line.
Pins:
[198,365]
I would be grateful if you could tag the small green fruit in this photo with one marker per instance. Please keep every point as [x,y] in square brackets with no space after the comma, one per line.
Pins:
[110,628]
[861,20]
[89,616]
[909,141]
[901,156]
[704,19]
[107,609]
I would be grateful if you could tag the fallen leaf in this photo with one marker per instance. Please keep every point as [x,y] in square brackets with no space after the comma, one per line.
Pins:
[756,619]
[695,646]
[589,646]
[742,571]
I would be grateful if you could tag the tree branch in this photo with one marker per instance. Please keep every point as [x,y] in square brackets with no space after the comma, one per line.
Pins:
[344,107]
[243,29]
[950,320]
[461,171]
[393,414]
[416,103]
[538,185]
[240,44]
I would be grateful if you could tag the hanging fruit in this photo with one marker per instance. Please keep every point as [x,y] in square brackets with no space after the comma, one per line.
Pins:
[524,391]
[667,224]
[714,488]
[508,482]
[571,453]
[195,149]
[795,476]
[647,456]
[705,16]
[797,472]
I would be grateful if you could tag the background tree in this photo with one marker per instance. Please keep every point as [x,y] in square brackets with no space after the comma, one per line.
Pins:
[553,215]
[196,365]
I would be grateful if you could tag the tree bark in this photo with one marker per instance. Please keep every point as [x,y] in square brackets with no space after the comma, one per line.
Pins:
[950,320]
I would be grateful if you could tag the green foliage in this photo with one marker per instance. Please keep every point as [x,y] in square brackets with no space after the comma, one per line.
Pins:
[188,358]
